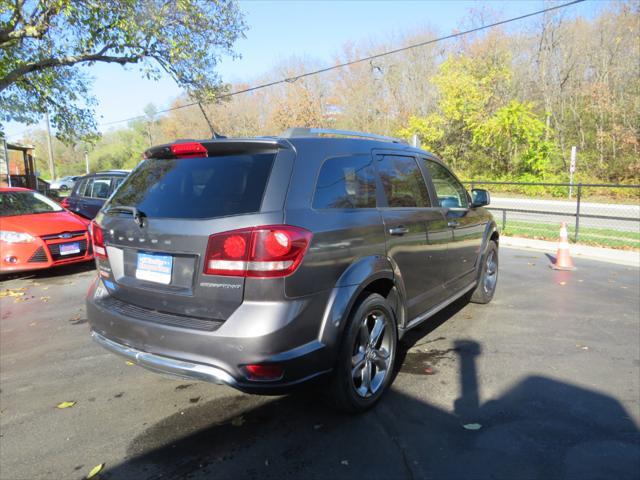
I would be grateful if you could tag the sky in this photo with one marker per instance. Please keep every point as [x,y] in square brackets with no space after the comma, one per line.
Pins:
[311,29]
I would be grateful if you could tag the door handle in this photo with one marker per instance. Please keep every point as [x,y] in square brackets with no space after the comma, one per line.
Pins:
[401,230]
[452,223]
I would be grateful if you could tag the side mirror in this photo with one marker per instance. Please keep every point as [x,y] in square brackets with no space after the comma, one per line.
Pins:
[480,197]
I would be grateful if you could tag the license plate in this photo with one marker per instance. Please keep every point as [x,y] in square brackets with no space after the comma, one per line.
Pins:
[154,268]
[69,248]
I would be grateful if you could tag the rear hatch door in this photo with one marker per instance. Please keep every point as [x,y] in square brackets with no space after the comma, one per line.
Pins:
[157,226]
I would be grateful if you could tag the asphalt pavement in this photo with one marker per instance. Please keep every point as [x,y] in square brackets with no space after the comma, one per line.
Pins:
[542,383]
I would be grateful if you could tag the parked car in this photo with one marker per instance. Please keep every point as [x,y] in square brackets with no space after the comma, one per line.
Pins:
[36,232]
[266,263]
[63,184]
[91,191]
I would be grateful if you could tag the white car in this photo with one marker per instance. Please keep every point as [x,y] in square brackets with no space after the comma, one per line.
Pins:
[64,183]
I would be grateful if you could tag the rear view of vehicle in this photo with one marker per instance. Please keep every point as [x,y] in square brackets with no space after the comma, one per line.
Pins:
[192,255]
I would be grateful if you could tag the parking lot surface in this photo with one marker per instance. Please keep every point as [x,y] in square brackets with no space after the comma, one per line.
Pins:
[544,382]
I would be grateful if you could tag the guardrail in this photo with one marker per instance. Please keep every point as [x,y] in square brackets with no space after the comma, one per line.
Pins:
[599,218]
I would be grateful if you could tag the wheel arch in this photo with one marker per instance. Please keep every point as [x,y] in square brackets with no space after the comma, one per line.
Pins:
[368,275]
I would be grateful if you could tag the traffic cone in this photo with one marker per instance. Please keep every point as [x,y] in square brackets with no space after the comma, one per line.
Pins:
[563,257]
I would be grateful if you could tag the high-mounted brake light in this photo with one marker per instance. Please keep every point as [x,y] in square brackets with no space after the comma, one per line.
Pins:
[269,251]
[188,150]
[97,237]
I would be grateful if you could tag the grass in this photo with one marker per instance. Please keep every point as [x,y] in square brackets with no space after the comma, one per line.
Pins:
[600,237]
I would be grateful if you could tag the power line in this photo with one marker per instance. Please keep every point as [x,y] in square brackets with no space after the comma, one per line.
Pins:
[354,62]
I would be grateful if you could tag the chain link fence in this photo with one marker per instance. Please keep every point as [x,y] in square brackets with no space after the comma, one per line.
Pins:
[597,214]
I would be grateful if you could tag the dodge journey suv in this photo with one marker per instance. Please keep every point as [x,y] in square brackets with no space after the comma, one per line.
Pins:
[265,263]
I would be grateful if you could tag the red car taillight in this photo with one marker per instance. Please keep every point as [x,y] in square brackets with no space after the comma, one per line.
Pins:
[97,237]
[269,251]
[65,202]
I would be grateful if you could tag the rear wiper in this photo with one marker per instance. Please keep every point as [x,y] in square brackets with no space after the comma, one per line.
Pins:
[138,216]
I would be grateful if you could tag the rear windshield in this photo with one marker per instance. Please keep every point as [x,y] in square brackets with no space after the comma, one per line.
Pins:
[197,187]
[26,203]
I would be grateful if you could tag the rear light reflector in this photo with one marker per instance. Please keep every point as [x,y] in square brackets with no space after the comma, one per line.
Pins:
[269,251]
[97,237]
[264,372]
[189,150]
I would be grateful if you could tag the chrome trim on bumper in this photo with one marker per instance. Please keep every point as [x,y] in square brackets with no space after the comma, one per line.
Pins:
[166,365]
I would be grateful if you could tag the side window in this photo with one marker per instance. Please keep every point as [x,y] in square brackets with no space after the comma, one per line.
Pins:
[116,181]
[98,187]
[346,182]
[79,187]
[450,192]
[86,187]
[402,182]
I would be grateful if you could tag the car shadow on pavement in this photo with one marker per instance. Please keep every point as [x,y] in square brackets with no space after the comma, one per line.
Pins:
[540,428]
[53,272]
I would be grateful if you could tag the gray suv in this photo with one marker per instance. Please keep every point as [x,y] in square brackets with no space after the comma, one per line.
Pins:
[266,263]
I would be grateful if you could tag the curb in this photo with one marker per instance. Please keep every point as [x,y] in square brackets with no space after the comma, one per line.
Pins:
[628,258]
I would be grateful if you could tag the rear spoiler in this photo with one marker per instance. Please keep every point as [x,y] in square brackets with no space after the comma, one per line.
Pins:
[213,148]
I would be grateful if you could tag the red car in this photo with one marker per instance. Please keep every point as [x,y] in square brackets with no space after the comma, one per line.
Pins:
[36,232]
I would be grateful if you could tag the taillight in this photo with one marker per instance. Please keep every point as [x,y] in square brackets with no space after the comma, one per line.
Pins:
[97,237]
[270,251]
[188,150]
[65,202]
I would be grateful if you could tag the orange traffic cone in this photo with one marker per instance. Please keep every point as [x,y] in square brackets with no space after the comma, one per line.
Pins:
[563,257]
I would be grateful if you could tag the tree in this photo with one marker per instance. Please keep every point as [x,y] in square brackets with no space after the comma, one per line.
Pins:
[43,42]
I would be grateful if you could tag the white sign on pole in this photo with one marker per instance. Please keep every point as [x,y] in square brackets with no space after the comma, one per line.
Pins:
[572,169]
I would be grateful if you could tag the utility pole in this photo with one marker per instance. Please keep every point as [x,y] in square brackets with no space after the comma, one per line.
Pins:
[52,167]
[86,160]
[6,159]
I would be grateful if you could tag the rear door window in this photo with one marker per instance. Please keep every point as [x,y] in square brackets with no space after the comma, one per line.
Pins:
[402,181]
[197,187]
[346,182]
[98,187]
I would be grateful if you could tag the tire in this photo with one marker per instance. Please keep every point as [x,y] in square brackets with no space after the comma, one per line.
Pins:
[488,276]
[64,188]
[356,388]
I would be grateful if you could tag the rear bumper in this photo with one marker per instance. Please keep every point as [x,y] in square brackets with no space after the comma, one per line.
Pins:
[158,363]
[219,356]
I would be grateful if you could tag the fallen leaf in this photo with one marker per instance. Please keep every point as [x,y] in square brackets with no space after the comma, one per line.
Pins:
[472,426]
[238,421]
[130,363]
[95,471]
[45,288]
[65,405]
[12,293]
[530,264]
[194,399]
[45,299]
[468,316]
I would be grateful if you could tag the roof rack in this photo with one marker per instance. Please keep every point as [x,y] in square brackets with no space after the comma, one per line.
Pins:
[316,132]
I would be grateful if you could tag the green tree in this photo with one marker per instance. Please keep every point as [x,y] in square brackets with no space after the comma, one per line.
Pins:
[43,42]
